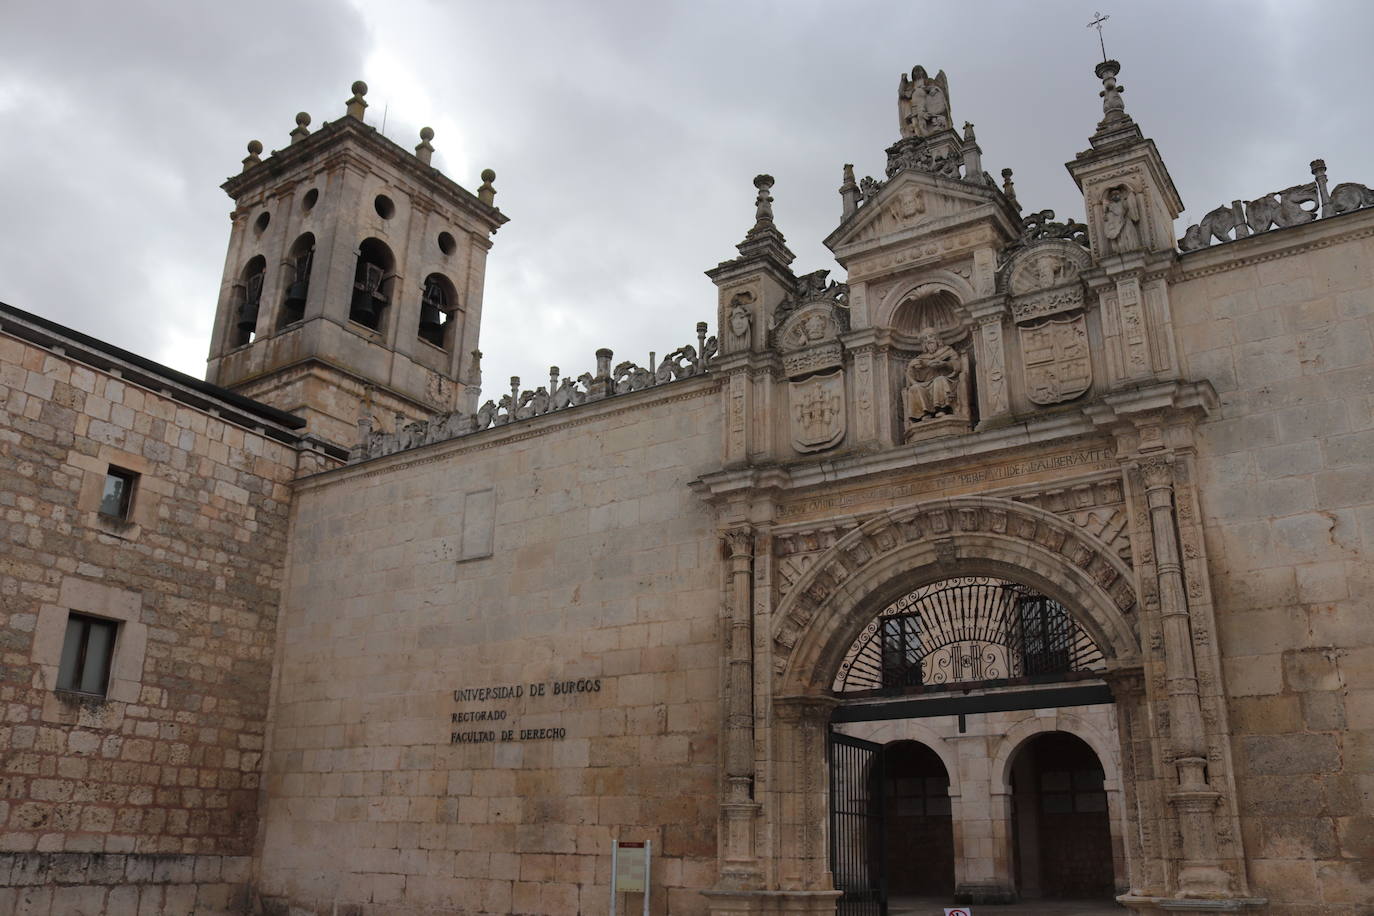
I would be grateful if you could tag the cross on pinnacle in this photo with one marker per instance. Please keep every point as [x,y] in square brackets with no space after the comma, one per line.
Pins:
[1097,24]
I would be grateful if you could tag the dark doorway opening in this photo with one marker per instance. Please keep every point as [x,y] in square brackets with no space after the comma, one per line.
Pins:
[919,827]
[1062,831]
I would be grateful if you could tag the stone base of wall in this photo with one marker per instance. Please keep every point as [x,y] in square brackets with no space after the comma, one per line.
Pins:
[112,884]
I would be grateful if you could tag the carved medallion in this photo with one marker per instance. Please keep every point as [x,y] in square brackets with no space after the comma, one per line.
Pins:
[817,411]
[1057,364]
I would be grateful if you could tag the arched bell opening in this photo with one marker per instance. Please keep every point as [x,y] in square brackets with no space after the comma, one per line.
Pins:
[372,280]
[1062,843]
[438,310]
[299,261]
[247,296]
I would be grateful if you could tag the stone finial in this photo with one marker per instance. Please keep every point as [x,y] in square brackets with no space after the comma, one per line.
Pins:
[425,151]
[1113,108]
[254,155]
[763,202]
[302,128]
[1009,189]
[968,133]
[1323,196]
[486,193]
[849,192]
[355,106]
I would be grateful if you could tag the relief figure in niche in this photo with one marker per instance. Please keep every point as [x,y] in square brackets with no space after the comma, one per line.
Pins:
[1121,219]
[932,379]
[741,320]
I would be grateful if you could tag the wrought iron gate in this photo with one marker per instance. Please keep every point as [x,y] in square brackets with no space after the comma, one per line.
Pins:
[857,854]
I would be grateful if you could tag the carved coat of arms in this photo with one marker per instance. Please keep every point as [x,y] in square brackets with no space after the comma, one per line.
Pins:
[1055,352]
[818,414]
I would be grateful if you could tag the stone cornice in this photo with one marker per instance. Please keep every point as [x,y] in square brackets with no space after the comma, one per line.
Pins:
[331,143]
[759,480]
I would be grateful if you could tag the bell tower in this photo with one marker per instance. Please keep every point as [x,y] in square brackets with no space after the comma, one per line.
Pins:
[353,281]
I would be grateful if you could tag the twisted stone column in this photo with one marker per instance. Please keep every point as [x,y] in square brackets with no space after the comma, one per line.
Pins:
[1194,800]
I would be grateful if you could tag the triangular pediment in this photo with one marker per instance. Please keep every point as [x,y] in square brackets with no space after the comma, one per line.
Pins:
[913,203]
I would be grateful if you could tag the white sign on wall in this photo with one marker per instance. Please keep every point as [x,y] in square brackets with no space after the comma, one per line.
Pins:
[630,870]
[958,911]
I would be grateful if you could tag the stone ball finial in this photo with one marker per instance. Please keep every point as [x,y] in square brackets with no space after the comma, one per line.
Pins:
[302,128]
[424,151]
[486,193]
[357,104]
[254,155]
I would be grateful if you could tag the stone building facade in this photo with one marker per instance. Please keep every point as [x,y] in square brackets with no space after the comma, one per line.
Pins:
[1027,561]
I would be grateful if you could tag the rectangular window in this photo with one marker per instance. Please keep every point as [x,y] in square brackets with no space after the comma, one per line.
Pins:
[86,654]
[118,497]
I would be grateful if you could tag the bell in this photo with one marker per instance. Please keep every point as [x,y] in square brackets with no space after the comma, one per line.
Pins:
[431,328]
[248,317]
[295,295]
[362,309]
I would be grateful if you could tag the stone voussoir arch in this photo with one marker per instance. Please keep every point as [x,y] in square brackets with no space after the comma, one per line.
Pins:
[1064,721]
[815,622]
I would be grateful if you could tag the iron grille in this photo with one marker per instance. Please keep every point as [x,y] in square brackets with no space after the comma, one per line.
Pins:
[856,826]
[966,629]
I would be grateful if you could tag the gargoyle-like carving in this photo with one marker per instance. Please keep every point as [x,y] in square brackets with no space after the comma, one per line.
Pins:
[560,394]
[1293,206]
[1349,196]
[814,287]
[1042,225]
[913,153]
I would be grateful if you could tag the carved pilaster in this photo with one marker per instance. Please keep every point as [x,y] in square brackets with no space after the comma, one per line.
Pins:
[993,401]
[1194,800]
[866,398]
[801,725]
[740,865]
[1139,781]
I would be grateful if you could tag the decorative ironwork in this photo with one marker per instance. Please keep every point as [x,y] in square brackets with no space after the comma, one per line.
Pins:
[857,830]
[963,630]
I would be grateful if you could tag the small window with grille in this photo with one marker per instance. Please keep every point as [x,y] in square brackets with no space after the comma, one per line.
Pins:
[87,651]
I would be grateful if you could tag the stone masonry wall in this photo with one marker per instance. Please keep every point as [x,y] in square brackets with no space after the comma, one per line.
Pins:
[1283,326]
[566,552]
[145,800]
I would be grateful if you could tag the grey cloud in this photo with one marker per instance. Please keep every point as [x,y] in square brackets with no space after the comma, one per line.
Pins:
[624,135]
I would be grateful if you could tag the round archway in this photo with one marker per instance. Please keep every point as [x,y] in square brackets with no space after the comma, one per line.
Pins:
[918,831]
[1060,825]
[845,589]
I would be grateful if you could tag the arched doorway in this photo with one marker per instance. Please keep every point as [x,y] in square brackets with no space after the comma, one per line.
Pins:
[1061,829]
[934,681]
[841,601]
[918,837]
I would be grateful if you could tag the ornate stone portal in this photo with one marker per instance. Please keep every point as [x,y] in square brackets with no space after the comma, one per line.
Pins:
[961,322]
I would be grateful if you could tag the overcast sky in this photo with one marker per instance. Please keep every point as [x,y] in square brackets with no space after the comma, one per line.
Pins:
[625,135]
